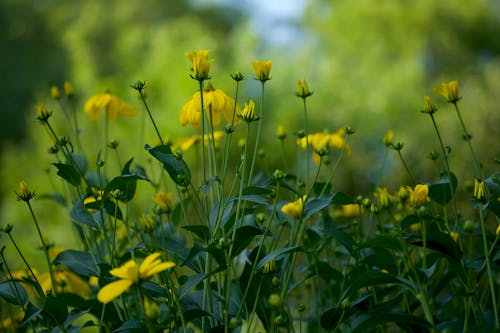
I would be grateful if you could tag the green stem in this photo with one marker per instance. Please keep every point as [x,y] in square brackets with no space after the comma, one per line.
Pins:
[143,98]
[467,138]
[488,266]
[308,149]
[45,248]
[257,138]
[448,172]
[406,167]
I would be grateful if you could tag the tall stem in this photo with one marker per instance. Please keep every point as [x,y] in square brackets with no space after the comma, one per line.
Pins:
[467,138]
[488,266]
[257,138]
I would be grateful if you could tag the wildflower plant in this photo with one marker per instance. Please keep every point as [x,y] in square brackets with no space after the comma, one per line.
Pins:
[223,245]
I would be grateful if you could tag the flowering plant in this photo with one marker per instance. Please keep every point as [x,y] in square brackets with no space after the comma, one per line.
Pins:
[228,247]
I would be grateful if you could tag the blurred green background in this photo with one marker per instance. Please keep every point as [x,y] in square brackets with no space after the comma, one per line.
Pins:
[368,62]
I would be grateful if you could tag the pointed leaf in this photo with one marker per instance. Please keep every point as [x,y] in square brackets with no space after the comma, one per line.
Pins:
[68,173]
[190,283]
[243,236]
[176,167]
[201,231]
[277,253]
[13,292]
[80,214]
[78,262]
[442,191]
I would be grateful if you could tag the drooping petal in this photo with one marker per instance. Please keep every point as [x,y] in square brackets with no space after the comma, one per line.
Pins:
[159,267]
[112,290]
[148,262]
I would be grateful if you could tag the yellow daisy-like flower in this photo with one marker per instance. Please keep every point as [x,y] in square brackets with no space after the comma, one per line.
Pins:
[449,91]
[66,282]
[388,138]
[303,89]
[41,112]
[429,107]
[294,208]
[261,69]
[201,64]
[163,200]
[216,103]
[131,273]
[383,197]
[418,195]
[111,103]
[347,211]
[23,193]
[479,190]
[248,113]
[323,141]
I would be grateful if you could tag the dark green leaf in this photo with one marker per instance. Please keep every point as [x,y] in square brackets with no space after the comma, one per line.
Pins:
[126,184]
[443,190]
[443,243]
[190,283]
[80,214]
[314,205]
[68,173]
[408,323]
[153,289]
[340,198]
[277,253]
[132,325]
[74,315]
[201,231]
[243,237]
[78,262]
[409,220]
[176,167]
[13,292]
[55,309]
[384,241]
[367,279]
[331,318]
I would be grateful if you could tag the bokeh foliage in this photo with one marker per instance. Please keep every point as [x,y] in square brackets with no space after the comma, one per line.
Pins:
[369,64]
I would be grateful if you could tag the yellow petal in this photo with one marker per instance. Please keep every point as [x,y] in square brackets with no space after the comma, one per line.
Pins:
[148,262]
[128,271]
[158,268]
[112,290]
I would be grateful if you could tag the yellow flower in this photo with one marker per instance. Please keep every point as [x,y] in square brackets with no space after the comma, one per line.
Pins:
[383,197]
[69,91]
[55,93]
[418,195]
[281,132]
[449,91]
[323,141]
[216,103]
[388,138]
[248,114]
[147,223]
[294,209]
[479,191]
[201,64]
[131,273]
[41,112]
[261,69]
[23,193]
[66,282]
[347,211]
[428,106]
[184,144]
[454,235]
[303,89]
[111,103]
[163,200]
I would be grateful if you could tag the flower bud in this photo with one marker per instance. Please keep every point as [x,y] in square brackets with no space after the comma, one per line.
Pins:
[274,300]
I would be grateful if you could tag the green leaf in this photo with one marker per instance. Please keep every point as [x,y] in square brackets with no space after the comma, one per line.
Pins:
[201,231]
[384,241]
[367,279]
[409,220]
[132,325]
[340,198]
[277,253]
[331,318]
[407,323]
[190,283]
[126,184]
[68,173]
[74,315]
[314,205]
[441,192]
[243,236]
[80,214]
[78,262]
[176,167]
[8,292]
[443,243]
[55,309]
